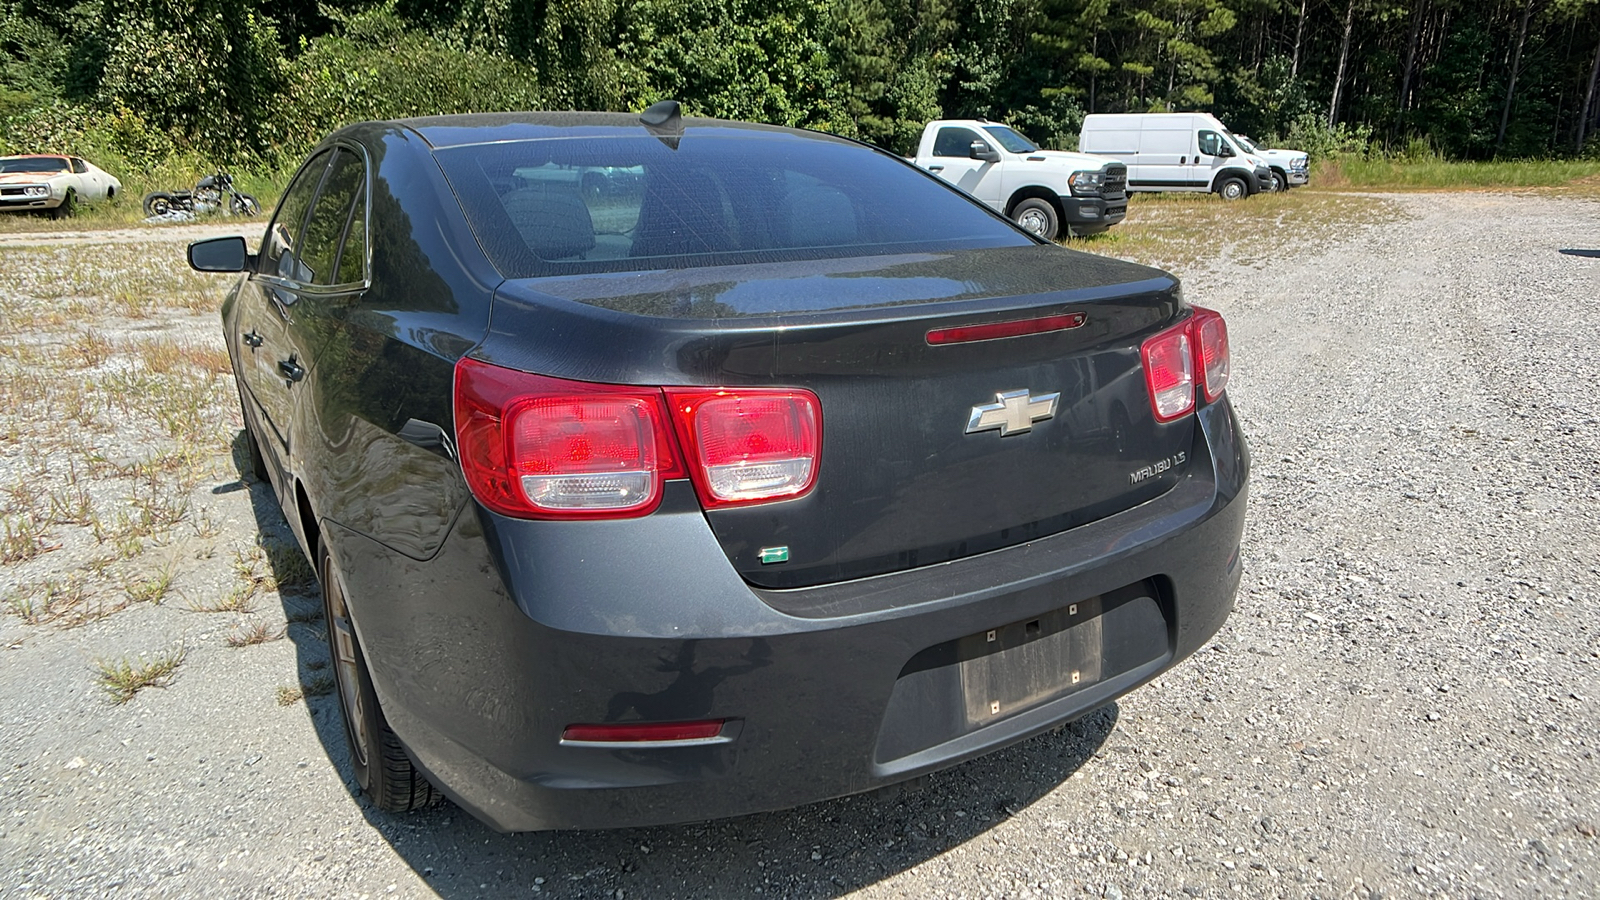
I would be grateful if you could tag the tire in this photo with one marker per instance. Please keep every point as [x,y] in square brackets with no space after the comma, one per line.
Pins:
[157,203]
[1279,184]
[1231,189]
[1038,217]
[377,758]
[68,206]
[244,205]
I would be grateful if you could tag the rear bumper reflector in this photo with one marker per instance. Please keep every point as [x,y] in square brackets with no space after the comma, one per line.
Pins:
[647,734]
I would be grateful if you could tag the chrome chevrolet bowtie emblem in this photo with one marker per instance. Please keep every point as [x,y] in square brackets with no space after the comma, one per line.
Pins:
[1015,412]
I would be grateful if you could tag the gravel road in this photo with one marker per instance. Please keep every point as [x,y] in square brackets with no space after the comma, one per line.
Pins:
[1404,703]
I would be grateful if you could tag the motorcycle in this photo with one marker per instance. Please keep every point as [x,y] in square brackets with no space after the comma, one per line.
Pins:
[207,197]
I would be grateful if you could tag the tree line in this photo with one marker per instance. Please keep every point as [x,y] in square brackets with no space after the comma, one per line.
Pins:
[247,82]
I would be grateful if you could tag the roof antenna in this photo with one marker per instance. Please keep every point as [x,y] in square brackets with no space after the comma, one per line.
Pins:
[664,119]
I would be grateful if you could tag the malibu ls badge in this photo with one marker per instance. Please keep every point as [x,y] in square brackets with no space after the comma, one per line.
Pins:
[1015,412]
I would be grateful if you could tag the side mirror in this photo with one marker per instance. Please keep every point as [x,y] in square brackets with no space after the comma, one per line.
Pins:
[1224,151]
[980,150]
[223,254]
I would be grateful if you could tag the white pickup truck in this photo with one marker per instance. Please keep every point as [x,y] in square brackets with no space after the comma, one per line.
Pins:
[1047,192]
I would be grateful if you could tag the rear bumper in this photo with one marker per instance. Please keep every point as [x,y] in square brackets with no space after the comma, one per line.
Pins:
[1092,215]
[516,629]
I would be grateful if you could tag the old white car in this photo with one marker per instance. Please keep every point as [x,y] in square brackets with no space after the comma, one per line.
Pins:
[54,183]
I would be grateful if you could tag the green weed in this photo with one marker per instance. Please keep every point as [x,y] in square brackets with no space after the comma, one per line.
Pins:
[124,678]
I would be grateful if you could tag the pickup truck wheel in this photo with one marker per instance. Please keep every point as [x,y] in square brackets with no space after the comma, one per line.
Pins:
[377,758]
[1232,189]
[1279,183]
[1038,217]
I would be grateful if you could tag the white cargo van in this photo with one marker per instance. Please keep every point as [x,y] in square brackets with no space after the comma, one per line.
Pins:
[1175,152]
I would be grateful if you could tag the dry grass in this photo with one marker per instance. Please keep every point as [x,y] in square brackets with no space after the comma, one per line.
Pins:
[153,589]
[1179,231]
[316,686]
[124,678]
[252,633]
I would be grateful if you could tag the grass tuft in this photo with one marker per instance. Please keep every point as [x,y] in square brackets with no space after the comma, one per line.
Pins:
[153,589]
[315,686]
[124,678]
[256,632]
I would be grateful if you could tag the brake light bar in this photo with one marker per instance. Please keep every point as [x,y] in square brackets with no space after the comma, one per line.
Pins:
[1176,359]
[962,334]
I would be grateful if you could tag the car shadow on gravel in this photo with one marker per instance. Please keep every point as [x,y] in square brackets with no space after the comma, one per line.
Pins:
[1588,254]
[821,850]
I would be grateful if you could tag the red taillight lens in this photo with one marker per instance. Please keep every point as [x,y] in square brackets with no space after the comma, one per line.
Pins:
[1169,372]
[1211,351]
[750,445]
[538,447]
[644,732]
[1193,350]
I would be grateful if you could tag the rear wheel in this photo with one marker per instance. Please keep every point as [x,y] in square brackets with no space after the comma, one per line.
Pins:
[1232,189]
[377,758]
[1038,217]
[157,203]
[67,207]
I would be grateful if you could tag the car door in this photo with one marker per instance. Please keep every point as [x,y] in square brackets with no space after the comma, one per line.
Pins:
[952,152]
[267,358]
[1212,156]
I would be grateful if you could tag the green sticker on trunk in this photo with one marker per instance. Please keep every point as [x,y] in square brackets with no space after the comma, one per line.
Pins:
[771,555]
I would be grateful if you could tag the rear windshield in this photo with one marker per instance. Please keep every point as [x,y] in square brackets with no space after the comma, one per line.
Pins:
[598,204]
[34,164]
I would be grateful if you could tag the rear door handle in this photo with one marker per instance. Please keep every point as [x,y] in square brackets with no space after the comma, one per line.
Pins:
[936,168]
[250,338]
[292,371]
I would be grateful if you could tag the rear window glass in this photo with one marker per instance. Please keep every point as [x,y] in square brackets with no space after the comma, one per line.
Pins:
[596,204]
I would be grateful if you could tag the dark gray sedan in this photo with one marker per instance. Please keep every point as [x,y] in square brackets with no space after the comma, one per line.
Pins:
[658,469]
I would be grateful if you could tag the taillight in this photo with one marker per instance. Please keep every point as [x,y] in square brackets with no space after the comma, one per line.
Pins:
[1211,351]
[538,447]
[1195,349]
[749,445]
[1169,372]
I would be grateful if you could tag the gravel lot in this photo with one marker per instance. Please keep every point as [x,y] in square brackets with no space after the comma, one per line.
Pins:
[1403,703]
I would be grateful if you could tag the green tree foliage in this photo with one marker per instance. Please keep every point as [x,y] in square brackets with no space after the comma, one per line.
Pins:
[205,68]
[243,82]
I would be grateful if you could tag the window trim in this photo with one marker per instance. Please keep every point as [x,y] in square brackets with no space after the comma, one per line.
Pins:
[968,144]
[351,287]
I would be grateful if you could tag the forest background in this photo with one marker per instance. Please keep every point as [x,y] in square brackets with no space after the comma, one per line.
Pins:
[164,89]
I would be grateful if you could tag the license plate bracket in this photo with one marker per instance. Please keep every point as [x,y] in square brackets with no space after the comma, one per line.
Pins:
[1021,665]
